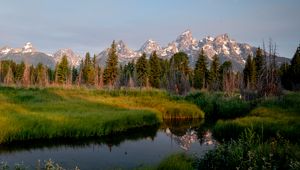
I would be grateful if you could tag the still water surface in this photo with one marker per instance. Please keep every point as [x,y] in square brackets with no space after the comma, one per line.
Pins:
[135,148]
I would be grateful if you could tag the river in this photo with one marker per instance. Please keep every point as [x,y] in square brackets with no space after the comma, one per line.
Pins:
[132,149]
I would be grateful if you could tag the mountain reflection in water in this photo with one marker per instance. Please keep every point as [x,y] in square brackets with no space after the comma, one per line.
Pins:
[136,147]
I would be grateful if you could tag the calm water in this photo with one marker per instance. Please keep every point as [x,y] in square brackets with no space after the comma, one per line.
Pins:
[143,146]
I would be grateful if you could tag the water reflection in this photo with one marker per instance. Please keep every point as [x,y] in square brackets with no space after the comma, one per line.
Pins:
[113,140]
[187,132]
[142,146]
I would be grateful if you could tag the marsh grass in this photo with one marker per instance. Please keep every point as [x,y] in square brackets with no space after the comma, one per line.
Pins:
[250,151]
[218,106]
[34,113]
[177,162]
[271,117]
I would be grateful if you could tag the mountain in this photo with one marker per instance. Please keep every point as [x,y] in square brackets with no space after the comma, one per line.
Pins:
[148,47]
[73,58]
[222,45]
[30,55]
[124,53]
[27,54]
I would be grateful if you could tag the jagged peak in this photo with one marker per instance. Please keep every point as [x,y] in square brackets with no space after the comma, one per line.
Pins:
[150,42]
[121,43]
[28,48]
[4,50]
[187,32]
[223,36]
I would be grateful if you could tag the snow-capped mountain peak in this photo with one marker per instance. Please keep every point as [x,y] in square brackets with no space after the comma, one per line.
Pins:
[5,50]
[149,46]
[186,41]
[73,58]
[28,48]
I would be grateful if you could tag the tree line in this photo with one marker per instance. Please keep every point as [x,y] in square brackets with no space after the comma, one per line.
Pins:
[261,76]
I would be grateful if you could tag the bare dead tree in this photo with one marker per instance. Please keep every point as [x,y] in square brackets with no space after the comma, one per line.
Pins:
[269,81]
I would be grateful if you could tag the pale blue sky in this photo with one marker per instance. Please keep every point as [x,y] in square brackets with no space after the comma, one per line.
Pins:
[91,25]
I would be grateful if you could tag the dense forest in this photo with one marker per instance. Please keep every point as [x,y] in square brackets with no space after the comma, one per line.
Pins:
[260,77]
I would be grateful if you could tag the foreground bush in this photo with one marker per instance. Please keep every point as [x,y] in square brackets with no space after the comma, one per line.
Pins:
[249,152]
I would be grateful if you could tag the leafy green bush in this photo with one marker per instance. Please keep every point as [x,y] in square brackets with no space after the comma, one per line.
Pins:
[249,152]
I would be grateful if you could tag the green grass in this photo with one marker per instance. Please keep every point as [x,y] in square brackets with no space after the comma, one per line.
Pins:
[271,117]
[249,151]
[176,162]
[27,114]
[218,106]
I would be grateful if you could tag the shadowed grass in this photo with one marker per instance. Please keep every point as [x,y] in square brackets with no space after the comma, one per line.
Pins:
[176,162]
[56,112]
[218,106]
[272,116]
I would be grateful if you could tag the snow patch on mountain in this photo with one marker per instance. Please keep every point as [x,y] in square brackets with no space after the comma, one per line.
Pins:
[72,58]
[28,48]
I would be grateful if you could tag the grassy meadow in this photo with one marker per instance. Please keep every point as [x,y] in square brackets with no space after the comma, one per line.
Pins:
[34,113]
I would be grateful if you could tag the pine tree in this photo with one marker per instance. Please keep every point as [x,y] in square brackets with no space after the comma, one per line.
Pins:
[155,70]
[63,71]
[201,71]
[88,69]
[96,72]
[259,63]
[227,77]
[111,70]
[19,72]
[142,71]
[295,70]
[26,76]
[42,76]
[214,74]
[179,73]
[250,73]
[165,72]
[0,72]
[33,74]
[74,74]
[285,76]
[9,79]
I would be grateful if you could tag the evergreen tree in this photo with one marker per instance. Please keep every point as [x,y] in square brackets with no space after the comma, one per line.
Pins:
[250,73]
[88,70]
[227,77]
[285,76]
[33,74]
[63,71]
[295,70]
[155,70]
[179,73]
[259,63]
[111,70]
[74,74]
[142,71]
[42,75]
[26,76]
[201,71]
[19,72]
[9,79]
[127,74]
[96,71]
[214,74]
[165,72]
